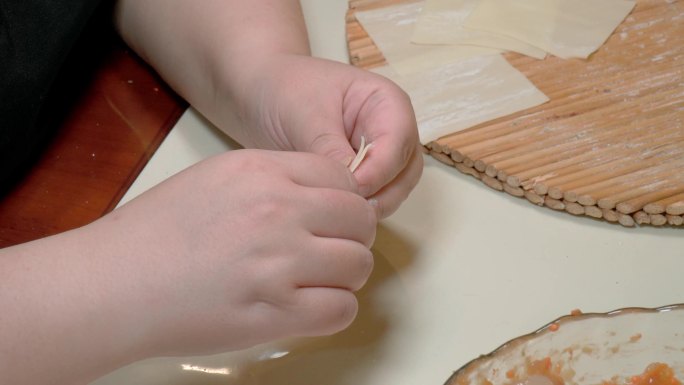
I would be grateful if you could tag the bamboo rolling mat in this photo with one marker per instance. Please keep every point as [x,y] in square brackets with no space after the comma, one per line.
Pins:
[610,142]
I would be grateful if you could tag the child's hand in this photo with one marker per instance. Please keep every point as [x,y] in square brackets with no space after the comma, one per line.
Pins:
[301,103]
[244,248]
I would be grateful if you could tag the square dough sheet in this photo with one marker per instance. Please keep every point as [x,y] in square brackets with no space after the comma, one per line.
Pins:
[460,95]
[441,22]
[391,29]
[565,28]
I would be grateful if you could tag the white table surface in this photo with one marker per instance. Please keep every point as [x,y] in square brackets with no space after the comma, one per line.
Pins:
[460,269]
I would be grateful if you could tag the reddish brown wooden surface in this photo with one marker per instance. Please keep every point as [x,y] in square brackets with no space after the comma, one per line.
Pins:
[112,129]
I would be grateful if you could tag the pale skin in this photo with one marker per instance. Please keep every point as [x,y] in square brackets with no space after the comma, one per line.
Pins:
[243,248]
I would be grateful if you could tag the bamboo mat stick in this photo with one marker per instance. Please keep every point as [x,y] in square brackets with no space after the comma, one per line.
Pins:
[574,208]
[551,145]
[534,198]
[481,132]
[553,167]
[367,54]
[592,211]
[658,219]
[560,181]
[350,17]
[467,170]
[676,208]
[603,65]
[371,63]
[641,139]
[626,220]
[535,177]
[610,68]
[361,43]
[615,195]
[660,74]
[584,97]
[660,206]
[616,152]
[360,5]
[554,204]
[515,191]
[578,192]
[498,128]
[642,218]
[489,145]
[537,149]
[637,203]
[495,128]
[355,32]
[525,137]
[434,146]
[605,194]
[675,220]
[593,174]
[584,172]
[492,182]
[610,215]
[456,155]
[446,159]
[564,150]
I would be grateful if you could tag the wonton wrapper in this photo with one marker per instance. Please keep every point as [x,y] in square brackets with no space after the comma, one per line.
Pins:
[460,95]
[391,29]
[441,22]
[565,28]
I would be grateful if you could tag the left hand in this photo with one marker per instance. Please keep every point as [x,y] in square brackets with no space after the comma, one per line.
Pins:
[301,103]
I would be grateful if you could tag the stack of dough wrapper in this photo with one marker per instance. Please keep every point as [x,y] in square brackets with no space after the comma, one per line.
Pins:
[446,54]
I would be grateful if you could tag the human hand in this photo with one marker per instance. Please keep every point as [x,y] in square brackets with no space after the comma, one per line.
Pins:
[241,249]
[288,99]
[301,103]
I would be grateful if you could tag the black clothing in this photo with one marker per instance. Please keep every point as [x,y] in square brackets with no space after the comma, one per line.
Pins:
[36,40]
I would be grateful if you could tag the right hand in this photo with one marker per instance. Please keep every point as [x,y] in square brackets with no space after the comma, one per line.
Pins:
[240,249]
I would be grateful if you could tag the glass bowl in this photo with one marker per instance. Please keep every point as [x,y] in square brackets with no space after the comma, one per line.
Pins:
[588,349]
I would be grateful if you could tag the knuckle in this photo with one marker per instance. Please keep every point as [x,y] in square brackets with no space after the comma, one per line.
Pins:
[325,141]
[253,163]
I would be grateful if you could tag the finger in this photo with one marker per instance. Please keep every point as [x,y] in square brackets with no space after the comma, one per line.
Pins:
[387,200]
[312,170]
[321,311]
[390,126]
[333,263]
[325,133]
[337,214]
[333,145]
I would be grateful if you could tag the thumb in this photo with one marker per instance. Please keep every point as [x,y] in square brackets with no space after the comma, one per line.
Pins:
[333,145]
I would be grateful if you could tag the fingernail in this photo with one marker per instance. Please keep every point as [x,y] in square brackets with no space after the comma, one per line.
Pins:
[373,202]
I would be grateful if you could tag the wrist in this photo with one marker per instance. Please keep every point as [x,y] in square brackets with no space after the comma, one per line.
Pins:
[251,89]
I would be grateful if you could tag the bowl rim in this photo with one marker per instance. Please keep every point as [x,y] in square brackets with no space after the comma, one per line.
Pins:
[547,328]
